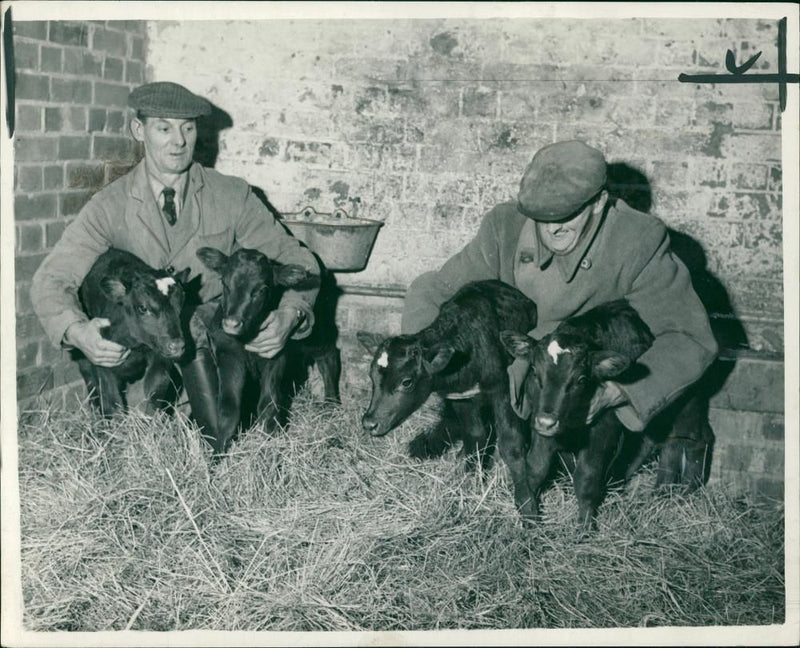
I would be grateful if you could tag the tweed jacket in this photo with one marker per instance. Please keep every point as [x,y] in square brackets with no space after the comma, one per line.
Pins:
[219,211]
[625,254]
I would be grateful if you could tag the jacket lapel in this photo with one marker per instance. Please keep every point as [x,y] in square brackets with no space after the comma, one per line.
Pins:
[189,220]
[145,210]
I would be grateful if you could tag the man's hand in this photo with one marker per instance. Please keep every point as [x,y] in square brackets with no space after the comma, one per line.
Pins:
[608,394]
[274,333]
[86,337]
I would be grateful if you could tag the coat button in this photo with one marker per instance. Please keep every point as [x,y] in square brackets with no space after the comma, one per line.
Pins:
[526,258]
[170,269]
[586,264]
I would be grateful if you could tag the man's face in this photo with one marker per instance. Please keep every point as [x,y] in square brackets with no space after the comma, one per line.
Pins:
[561,237]
[168,143]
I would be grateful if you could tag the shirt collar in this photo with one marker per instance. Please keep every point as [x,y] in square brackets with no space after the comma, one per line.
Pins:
[157,186]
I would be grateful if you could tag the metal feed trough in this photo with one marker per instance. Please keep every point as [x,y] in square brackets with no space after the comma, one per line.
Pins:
[341,241]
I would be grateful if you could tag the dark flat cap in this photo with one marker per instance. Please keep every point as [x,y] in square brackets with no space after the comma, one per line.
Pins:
[560,179]
[167,99]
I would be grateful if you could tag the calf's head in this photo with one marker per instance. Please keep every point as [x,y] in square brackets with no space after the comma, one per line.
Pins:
[250,283]
[402,373]
[151,303]
[565,371]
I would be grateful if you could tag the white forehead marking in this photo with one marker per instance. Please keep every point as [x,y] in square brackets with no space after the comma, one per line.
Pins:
[383,360]
[555,350]
[164,283]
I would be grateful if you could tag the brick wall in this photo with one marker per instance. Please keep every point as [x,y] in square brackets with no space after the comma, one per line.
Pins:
[426,124]
[72,85]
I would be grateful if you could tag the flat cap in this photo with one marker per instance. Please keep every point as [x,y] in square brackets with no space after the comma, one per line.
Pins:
[167,99]
[560,179]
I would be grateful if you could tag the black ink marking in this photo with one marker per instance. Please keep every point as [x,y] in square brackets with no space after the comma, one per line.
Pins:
[782,78]
[8,53]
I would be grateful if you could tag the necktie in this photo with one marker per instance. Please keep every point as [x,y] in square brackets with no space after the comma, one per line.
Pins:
[169,205]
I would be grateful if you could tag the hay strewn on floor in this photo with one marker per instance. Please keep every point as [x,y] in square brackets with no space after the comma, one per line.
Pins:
[126,525]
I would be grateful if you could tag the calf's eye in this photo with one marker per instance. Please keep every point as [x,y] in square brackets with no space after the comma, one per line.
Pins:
[142,310]
[406,383]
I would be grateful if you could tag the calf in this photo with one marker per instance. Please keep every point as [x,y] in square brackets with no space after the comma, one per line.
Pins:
[567,367]
[144,308]
[251,287]
[459,352]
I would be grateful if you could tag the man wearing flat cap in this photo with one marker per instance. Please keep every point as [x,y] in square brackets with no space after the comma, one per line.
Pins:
[567,246]
[163,211]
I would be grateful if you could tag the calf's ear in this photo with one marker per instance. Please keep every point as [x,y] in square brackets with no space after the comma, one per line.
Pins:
[183,275]
[212,258]
[436,358]
[293,276]
[517,344]
[608,364]
[370,341]
[113,288]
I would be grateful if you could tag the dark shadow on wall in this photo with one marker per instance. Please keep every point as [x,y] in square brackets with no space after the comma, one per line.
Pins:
[632,186]
[208,129]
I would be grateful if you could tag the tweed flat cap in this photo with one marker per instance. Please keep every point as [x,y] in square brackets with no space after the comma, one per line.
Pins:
[560,179]
[167,99]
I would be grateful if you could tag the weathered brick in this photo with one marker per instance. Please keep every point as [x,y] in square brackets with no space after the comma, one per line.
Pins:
[112,148]
[670,173]
[111,94]
[51,59]
[134,26]
[137,48]
[713,112]
[97,119]
[31,29]
[674,114]
[753,116]
[707,172]
[71,203]
[28,326]
[82,62]
[53,119]
[26,354]
[26,55]
[29,118]
[774,429]
[134,72]
[29,178]
[22,302]
[53,177]
[32,86]
[775,178]
[752,147]
[82,175]
[113,68]
[113,42]
[679,27]
[73,147]
[315,153]
[68,33]
[30,238]
[76,118]
[115,121]
[33,382]
[71,91]
[749,176]
[53,232]
[479,102]
[25,266]
[37,206]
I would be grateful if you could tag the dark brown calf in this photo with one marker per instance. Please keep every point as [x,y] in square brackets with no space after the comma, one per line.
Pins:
[459,352]
[566,368]
[144,308]
[252,285]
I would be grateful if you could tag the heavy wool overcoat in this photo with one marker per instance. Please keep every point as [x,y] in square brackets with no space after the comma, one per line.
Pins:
[625,254]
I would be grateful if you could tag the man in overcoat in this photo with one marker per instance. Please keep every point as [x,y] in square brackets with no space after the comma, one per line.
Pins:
[162,211]
[569,247]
